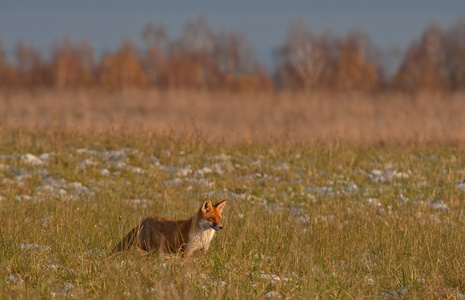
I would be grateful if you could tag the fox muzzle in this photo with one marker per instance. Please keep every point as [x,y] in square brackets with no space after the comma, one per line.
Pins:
[217,228]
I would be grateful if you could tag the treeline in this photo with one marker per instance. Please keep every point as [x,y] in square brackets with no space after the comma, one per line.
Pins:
[202,58]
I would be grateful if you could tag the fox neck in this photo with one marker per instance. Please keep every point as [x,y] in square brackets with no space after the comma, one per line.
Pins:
[200,234]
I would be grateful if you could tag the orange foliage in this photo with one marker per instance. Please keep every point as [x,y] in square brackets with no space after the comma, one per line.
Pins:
[351,68]
[423,63]
[204,59]
[436,62]
[31,68]
[122,69]
[71,64]
[309,61]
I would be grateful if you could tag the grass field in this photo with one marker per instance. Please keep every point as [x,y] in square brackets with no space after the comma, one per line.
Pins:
[303,220]
[225,118]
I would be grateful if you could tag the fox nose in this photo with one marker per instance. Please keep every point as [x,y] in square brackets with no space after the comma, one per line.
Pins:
[220,227]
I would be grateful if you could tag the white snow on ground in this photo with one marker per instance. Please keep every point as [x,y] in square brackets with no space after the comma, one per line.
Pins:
[205,175]
[387,175]
[15,279]
[143,203]
[86,151]
[63,189]
[46,156]
[219,283]
[32,160]
[271,178]
[88,162]
[272,278]
[116,158]
[105,172]
[185,171]
[78,189]
[374,202]
[33,247]
[460,185]
[24,198]
[273,295]
[396,294]
[190,182]
[94,252]
[135,170]
[438,204]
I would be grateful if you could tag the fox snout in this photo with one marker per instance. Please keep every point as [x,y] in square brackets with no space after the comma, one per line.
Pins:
[217,227]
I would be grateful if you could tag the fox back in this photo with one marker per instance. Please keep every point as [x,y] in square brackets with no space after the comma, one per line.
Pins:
[169,236]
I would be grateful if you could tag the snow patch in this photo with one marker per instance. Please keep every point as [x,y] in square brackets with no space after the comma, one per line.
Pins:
[32,160]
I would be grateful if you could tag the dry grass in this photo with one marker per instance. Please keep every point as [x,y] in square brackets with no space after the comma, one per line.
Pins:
[329,221]
[322,220]
[231,118]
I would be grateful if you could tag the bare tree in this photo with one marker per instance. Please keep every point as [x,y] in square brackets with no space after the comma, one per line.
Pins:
[303,58]
[156,52]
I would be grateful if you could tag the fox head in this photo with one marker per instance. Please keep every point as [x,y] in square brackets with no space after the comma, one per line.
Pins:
[211,215]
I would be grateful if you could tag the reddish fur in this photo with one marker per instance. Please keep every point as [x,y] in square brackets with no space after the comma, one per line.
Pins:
[168,236]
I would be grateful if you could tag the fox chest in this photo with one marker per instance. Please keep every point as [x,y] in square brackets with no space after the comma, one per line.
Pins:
[201,240]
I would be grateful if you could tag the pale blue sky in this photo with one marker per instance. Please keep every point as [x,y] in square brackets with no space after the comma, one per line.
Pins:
[392,23]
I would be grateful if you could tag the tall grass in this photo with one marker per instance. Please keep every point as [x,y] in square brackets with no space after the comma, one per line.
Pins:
[225,118]
[333,221]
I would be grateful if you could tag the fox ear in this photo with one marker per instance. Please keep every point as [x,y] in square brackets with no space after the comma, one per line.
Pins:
[220,205]
[206,206]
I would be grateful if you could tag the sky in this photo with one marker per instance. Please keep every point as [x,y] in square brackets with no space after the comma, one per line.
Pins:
[105,23]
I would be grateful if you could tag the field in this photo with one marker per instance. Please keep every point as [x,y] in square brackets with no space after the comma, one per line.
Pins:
[225,118]
[330,214]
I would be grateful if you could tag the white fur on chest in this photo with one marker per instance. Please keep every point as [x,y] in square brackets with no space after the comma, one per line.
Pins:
[201,238]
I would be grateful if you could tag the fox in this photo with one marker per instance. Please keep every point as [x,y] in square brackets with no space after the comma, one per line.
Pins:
[162,235]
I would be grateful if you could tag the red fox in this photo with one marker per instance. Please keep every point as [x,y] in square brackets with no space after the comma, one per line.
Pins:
[181,236]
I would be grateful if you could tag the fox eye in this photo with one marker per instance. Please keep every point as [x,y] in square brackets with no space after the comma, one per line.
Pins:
[211,219]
